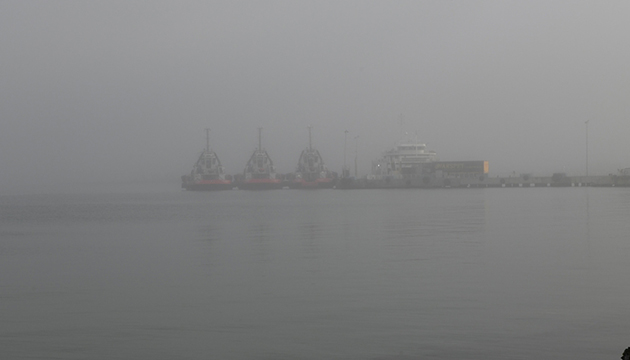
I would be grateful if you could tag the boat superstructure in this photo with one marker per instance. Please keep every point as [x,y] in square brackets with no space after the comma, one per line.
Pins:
[311,171]
[405,159]
[207,173]
[259,172]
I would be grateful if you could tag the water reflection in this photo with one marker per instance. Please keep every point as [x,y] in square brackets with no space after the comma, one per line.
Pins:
[310,231]
[311,236]
[588,223]
[209,234]
[360,275]
[260,232]
[454,221]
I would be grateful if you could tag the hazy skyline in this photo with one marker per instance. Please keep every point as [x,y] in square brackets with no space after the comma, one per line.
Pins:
[121,91]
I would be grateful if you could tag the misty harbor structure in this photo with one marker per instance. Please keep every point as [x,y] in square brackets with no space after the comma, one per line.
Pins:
[311,172]
[411,165]
[207,173]
[408,165]
[259,173]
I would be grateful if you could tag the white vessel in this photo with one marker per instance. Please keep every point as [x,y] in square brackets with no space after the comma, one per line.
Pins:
[405,159]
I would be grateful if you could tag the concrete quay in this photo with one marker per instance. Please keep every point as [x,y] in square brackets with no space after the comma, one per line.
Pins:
[557,180]
[545,181]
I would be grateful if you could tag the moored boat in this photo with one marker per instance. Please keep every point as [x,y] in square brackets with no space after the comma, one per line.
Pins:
[259,174]
[311,172]
[407,159]
[207,173]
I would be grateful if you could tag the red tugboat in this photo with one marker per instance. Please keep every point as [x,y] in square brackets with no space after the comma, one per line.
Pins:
[311,172]
[259,173]
[207,174]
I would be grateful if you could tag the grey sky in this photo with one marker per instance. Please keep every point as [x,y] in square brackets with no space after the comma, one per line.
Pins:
[120,91]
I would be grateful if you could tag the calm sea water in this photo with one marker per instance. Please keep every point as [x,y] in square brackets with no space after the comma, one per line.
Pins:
[330,274]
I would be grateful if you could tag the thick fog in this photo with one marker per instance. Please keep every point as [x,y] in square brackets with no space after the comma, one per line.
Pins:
[120,92]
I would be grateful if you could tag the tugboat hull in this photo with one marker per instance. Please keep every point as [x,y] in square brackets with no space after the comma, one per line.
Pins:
[209,185]
[260,184]
[321,183]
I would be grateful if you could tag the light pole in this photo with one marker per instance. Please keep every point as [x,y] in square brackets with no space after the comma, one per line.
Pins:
[345,147]
[586,123]
[356,156]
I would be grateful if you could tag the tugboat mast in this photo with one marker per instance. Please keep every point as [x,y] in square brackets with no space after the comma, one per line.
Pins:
[310,144]
[207,140]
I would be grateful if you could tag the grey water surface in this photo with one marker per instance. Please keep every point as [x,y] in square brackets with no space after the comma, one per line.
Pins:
[329,274]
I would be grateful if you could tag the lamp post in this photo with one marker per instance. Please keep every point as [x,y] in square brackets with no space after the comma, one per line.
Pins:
[356,156]
[345,147]
[586,123]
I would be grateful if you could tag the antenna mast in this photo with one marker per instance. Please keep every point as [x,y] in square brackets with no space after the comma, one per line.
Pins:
[310,144]
[207,140]
[587,147]
[259,139]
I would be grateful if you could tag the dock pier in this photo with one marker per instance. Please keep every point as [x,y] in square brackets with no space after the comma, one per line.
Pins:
[522,181]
